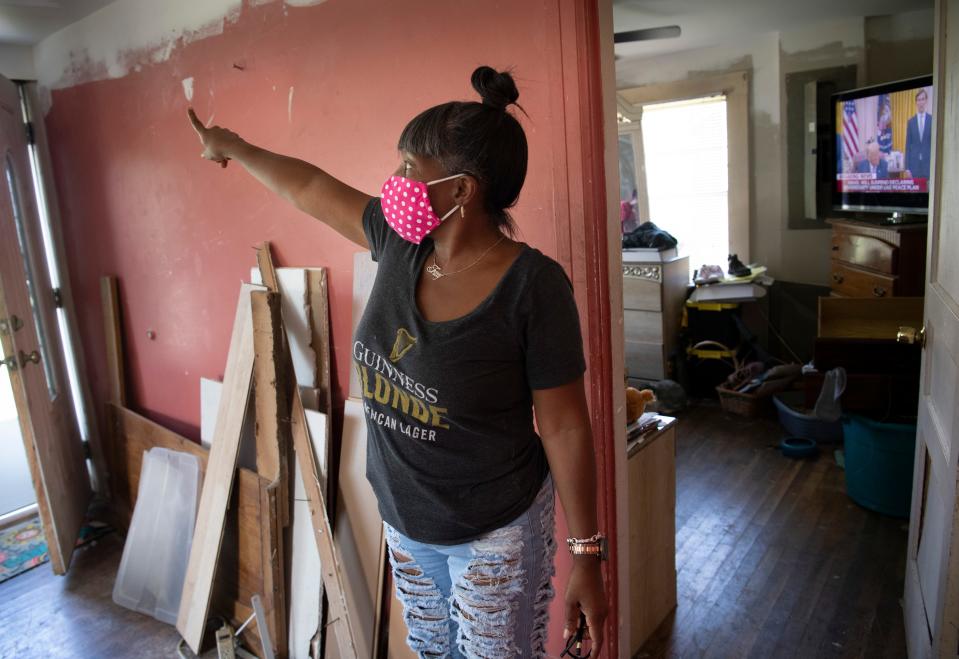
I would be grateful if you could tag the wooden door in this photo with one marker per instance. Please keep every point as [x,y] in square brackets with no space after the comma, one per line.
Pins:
[932,566]
[31,347]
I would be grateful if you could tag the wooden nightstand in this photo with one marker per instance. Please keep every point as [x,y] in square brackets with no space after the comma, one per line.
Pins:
[874,260]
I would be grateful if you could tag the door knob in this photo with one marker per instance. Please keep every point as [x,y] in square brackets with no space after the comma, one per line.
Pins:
[912,336]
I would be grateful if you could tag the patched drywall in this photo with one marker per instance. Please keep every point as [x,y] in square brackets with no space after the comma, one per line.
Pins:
[127,35]
[124,36]
[900,46]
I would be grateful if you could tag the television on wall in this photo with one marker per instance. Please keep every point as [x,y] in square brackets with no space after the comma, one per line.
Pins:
[883,146]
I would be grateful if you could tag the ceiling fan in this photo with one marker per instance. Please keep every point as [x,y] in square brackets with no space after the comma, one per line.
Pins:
[647,34]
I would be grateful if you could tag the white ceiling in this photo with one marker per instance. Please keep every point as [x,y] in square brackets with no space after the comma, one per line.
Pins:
[711,22]
[25,22]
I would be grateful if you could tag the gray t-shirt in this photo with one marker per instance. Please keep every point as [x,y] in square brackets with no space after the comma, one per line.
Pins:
[452,452]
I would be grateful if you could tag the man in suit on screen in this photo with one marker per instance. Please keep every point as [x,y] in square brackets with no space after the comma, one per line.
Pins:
[919,139]
[874,162]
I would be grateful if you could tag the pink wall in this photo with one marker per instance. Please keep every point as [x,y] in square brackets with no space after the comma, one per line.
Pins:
[138,202]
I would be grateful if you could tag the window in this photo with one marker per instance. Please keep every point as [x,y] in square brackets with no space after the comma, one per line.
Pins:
[687,175]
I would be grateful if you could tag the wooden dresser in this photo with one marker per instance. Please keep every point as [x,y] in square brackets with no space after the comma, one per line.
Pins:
[651,474]
[654,291]
[874,260]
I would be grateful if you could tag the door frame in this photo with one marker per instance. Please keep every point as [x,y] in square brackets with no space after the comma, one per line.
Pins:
[582,85]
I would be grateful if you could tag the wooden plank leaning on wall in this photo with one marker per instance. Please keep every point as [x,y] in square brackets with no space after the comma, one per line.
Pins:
[248,538]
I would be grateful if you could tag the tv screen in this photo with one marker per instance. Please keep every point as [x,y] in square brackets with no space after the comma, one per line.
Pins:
[883,146]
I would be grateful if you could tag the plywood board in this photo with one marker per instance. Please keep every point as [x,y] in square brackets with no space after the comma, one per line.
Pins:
[218,482]
[364,274]
[306,584]
[209,403]
[110,299]
[319,306]
[210,392]
[329,559]
[239,570]
[296,317]
[359,529]
[270,388]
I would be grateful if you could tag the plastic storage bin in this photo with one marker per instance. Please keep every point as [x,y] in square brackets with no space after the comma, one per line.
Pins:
[803,425]
[879,461]
[157,549]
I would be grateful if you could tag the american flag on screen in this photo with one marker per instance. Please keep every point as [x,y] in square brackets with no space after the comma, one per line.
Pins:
[850,131]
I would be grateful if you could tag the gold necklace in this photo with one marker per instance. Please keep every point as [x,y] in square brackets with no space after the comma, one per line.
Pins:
[437,272]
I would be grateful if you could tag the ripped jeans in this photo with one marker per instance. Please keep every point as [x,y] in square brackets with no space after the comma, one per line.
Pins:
[488,598]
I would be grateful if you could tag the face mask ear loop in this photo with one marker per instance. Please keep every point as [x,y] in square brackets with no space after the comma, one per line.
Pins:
[451,211]
[440,180]
[448,178]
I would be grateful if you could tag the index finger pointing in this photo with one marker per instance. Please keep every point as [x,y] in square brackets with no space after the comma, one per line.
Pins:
[197,124]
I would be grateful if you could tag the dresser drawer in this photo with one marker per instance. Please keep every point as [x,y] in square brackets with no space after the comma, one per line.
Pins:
[645,361]
[865,252]
[642,294]
[853,282]
[645,326]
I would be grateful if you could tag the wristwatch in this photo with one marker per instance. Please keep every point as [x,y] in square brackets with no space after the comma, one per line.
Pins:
[592,546]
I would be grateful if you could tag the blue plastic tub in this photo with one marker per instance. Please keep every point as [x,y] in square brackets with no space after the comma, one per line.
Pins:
[802,425]
[879,462]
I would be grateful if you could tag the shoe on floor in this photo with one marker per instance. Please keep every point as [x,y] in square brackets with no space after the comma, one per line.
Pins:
[736,267]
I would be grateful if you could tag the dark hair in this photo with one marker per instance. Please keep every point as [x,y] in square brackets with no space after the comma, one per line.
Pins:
[480,139]
[921,92]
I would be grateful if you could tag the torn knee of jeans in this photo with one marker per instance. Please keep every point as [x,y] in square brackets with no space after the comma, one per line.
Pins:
[400,559]
[485,599]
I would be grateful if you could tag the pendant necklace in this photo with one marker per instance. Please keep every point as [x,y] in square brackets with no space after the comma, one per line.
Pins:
[437,272]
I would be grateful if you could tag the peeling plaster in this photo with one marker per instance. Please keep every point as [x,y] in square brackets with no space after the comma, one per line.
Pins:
[188,88]
[124,36]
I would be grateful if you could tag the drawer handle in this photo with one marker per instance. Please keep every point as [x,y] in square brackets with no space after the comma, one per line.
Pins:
[838,278]
[835,248]
[879,291]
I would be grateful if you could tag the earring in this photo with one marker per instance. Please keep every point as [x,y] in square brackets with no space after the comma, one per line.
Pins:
[462,212]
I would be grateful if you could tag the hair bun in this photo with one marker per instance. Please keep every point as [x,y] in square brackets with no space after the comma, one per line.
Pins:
[496,89]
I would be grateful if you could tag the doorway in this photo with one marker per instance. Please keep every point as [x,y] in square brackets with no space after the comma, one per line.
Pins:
[16,488]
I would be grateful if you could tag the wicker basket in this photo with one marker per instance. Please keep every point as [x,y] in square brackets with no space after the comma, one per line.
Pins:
[748,405]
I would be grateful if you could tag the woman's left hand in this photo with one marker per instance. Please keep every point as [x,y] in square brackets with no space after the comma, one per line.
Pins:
[585,593]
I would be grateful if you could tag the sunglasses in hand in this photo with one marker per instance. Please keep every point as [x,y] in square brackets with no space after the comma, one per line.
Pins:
[575,645]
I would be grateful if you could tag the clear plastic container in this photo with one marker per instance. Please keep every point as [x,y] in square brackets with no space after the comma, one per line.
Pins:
[157,549]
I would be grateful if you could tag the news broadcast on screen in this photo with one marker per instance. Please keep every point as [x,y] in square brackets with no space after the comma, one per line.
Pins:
[883,141]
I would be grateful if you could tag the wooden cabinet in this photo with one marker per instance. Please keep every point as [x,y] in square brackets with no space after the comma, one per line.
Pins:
[879,261]
[654,290]
[651,474]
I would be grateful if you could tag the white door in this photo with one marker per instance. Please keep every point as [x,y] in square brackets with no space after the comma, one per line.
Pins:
[31,347]
[932,566]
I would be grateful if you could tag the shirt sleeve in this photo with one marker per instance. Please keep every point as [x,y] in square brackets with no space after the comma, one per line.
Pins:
[375,227]
[554,343]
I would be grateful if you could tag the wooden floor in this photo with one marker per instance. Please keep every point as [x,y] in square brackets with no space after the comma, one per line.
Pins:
[42,615]
[773,559]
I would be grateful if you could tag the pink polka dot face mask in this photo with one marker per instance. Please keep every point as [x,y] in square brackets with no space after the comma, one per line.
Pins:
[407,208]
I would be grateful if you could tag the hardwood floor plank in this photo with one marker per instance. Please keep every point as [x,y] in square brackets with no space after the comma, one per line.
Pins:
[773,559]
